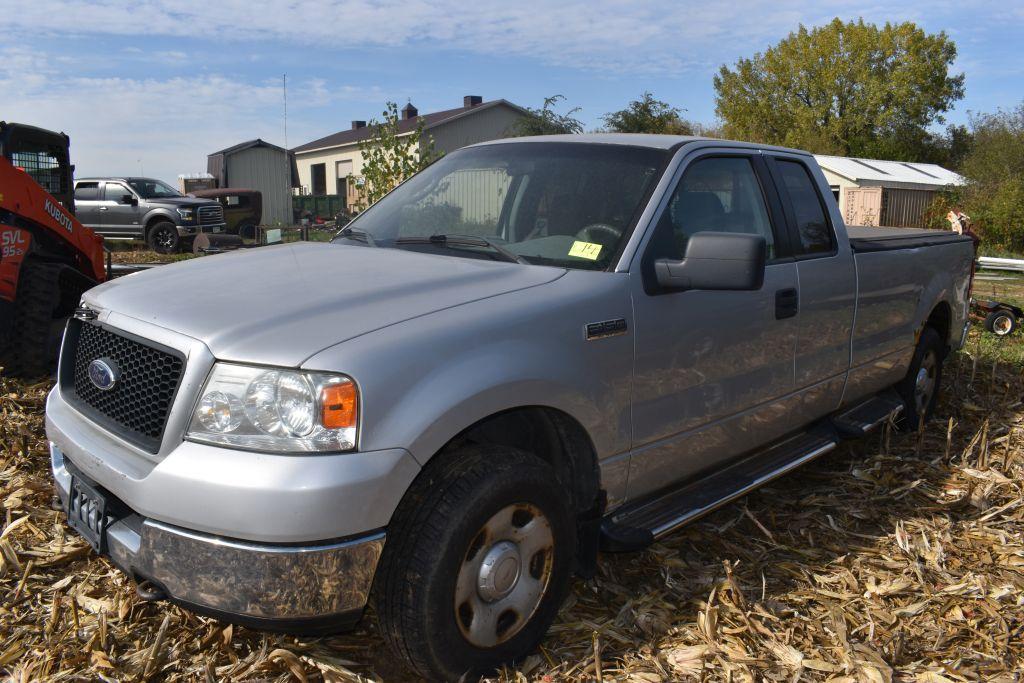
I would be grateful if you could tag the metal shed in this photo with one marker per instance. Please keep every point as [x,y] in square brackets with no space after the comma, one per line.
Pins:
[258,165]
[890,193]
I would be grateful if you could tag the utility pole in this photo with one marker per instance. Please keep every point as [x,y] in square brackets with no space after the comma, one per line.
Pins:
[287,154]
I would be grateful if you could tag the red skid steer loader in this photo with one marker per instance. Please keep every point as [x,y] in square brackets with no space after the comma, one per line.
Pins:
[47,258]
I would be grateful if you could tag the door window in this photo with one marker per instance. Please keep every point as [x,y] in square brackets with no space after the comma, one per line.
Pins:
[716,194]
[112,192]
[813,227]
[87,192]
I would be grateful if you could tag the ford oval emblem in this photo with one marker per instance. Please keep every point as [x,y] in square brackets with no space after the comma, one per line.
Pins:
[104,373]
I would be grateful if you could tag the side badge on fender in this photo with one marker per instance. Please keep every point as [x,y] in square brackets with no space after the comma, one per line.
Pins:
[605,328]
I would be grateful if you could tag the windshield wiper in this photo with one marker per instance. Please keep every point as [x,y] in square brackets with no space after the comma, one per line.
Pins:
[356,232]
[466,240]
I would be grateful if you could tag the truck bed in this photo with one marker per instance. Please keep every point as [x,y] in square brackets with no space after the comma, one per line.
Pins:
[868,238]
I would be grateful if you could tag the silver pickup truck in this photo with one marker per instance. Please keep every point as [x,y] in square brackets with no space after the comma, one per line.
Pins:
[532,350]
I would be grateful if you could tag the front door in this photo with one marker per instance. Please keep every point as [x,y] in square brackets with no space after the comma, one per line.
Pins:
[120,210]
[714,370]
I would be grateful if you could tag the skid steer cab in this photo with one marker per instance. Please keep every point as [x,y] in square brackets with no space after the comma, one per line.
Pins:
[47,258]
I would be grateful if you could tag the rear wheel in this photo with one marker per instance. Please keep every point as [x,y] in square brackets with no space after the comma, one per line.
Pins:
[476,564]
[1000,323]
[163,238]
[920,387]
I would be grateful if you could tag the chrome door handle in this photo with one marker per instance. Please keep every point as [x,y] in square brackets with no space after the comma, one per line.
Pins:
[103,208]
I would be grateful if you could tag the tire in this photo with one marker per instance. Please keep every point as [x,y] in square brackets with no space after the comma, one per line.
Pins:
[163,238]
[1001,323]
[247,231]
[450,587]
[35,339]
[919,389]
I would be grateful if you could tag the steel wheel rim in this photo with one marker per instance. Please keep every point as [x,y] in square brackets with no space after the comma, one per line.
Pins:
[504,575]
[1002,325]
[924,384]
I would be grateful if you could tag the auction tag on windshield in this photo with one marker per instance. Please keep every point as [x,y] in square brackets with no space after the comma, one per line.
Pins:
[587,250]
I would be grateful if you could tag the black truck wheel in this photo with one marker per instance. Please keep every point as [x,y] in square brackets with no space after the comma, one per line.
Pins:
[163,238]
[1001,322]
[247,230]
[38,322]
[920,387]
[476,563]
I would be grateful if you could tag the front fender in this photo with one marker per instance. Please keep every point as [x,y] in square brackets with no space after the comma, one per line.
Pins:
[154,215]
[425,380]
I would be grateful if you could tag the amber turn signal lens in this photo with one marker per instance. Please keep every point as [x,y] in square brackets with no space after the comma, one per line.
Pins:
[338,405]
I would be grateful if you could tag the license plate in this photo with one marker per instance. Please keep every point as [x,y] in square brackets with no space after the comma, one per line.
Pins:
[87,513]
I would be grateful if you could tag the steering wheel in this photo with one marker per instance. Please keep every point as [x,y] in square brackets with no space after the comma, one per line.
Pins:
[601,233]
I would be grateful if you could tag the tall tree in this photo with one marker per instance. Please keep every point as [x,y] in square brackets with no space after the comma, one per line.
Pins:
[546,121]
[648,115]
[390,155]
[843,88]
[994,167]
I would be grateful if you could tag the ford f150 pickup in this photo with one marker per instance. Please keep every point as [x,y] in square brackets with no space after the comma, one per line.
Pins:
[531,350]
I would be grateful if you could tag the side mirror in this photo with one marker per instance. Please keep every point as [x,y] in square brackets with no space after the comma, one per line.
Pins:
[129,199]
[715,260]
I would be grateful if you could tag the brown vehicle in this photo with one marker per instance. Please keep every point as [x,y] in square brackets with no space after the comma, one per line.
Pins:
[243,209]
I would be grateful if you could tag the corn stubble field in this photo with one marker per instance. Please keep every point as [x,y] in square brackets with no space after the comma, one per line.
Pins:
[899,557]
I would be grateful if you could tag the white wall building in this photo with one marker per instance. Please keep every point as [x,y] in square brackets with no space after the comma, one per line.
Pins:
[332,164]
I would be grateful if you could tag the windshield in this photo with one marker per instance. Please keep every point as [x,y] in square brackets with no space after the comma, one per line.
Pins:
[564,204]
[148,188]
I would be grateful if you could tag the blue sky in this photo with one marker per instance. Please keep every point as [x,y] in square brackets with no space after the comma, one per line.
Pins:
[151,87]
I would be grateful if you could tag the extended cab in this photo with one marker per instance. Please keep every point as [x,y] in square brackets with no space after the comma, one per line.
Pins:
[532,349]
[146,209]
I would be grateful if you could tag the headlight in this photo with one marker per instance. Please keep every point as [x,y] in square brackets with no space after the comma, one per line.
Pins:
[186,214]
[278,411]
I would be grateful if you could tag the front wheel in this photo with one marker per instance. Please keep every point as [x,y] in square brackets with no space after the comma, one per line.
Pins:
[920,387]
[477,563]
[247,231]
[163,238]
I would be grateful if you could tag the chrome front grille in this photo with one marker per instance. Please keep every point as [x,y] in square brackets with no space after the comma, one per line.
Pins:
[211,215]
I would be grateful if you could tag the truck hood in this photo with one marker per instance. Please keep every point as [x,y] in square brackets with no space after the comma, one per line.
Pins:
[280,305]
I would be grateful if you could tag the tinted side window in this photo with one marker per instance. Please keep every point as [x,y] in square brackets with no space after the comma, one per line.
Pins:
[815,233]
[87,192]
[112,192]
[717,194]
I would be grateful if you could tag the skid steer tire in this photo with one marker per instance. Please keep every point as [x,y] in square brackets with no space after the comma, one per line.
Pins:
[35,340]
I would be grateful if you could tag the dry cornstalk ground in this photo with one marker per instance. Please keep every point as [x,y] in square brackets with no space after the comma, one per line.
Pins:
[898,558]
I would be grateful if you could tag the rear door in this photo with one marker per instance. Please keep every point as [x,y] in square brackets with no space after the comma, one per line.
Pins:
[713,369]
[828,283]
[120,216]
[87,203]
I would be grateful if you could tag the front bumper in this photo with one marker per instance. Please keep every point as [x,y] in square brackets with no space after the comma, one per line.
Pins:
[193,229]
[296,588]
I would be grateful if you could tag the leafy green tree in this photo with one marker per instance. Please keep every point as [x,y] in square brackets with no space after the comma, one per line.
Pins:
[391,155]
[844,88]
[994,167]
[648,115]
[546,121]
